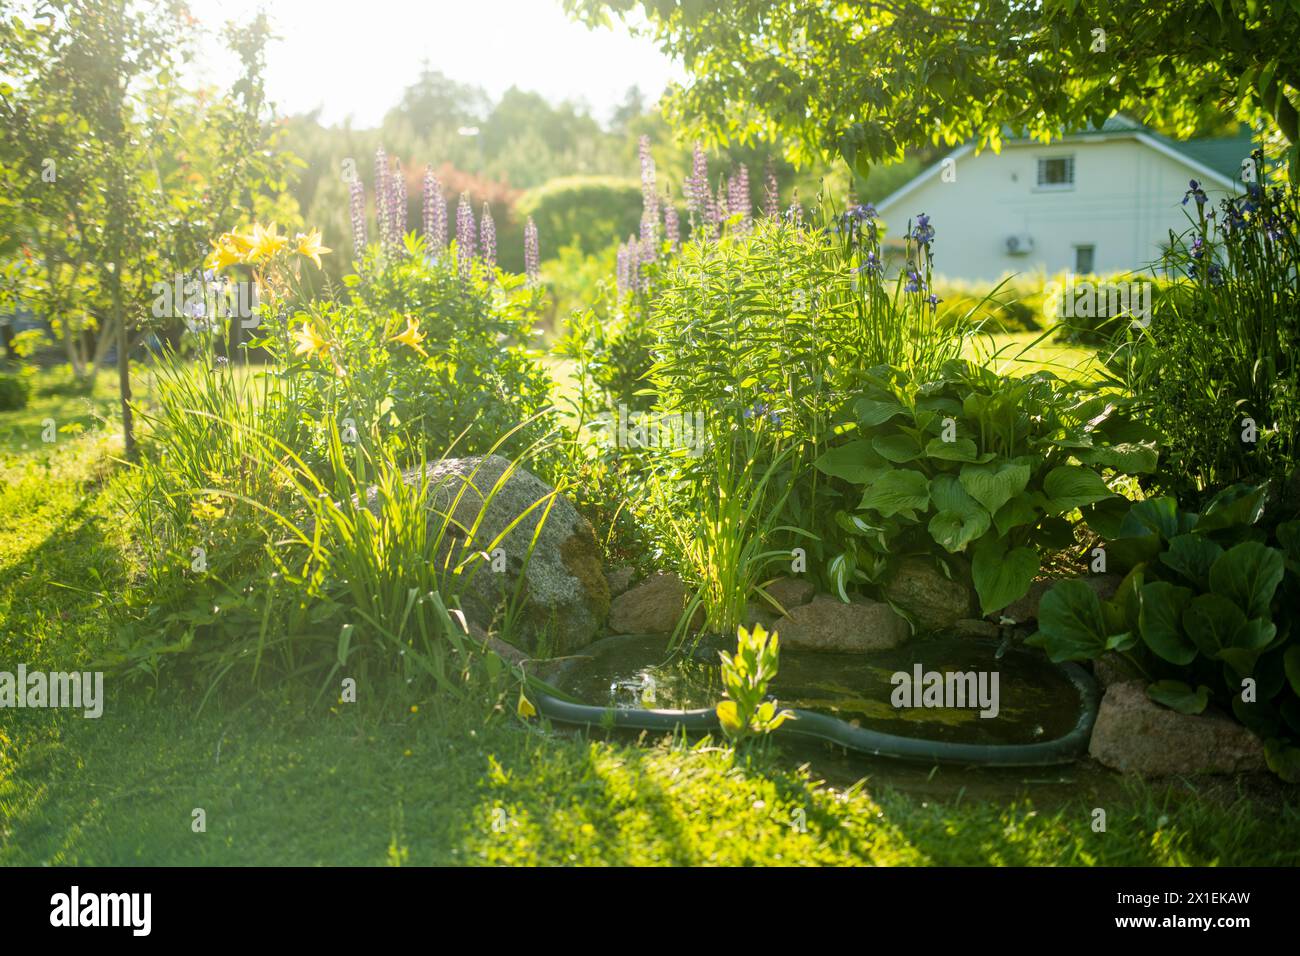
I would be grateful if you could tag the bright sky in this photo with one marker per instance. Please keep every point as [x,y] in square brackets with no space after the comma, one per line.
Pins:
[354,57]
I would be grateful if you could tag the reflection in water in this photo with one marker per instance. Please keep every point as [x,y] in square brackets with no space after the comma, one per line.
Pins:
[1036,701]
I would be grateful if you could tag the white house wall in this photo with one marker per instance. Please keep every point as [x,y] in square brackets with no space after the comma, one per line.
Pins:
[1126,197]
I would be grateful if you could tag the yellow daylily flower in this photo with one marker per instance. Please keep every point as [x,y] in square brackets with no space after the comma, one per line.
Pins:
[223,254]
[266,242]
[309,246]
[411,335]
[241,241]
[309,341]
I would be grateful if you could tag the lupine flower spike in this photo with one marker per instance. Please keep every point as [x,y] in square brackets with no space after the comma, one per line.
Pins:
[487,232]
[357,205]
[466,243]
[532,252]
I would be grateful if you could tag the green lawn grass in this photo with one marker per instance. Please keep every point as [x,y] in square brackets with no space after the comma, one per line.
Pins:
[281,780]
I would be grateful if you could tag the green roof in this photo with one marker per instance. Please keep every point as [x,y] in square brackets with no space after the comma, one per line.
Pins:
[1223,154]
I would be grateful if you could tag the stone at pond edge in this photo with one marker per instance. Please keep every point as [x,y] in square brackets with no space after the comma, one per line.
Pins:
[1026,608]
[619,579]
[1110,668]
[652,606]
[788,592]
[566,598]
[828,624]
[1136,735]
[974,627]
[934,601]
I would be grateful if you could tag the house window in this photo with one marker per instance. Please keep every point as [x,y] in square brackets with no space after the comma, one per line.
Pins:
[1056,173]
[1084,259]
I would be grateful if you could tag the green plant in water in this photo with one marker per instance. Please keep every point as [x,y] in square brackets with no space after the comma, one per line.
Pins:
[745,679]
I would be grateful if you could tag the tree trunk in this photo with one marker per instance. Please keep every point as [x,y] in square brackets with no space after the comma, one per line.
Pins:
[123,366]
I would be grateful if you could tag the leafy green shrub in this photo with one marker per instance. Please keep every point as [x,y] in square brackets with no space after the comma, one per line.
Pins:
[971,463]
[766,334]
[15,389]
[1098,310]
[1009,306]
[1204,612]
[745,678]
[421,351]
[583,211]
[1218,371]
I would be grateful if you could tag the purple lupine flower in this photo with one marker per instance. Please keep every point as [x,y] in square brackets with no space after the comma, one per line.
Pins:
[646,255]
[696,186]
[738,200]
[621,272]
[672,228]
[357,205]
[466,243]
[397,207]
[381,194]
[649,198]
[435,212]
[487,232]
[771,197]
[532,252]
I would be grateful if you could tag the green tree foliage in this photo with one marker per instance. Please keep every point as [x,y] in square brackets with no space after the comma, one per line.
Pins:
[116,176]
[866,78]
[588,211]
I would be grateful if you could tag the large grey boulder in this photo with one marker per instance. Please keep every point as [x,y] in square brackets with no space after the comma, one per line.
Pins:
[565,598]
[1136,735]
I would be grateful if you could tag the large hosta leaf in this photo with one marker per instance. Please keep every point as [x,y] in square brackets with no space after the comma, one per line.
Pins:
[1161,621]
[854,461]
[1131,458]
[1072,486]
[1071,625]
[871,412]
[1159,515]
[1248,574]
[899,490]
[994,485]
[1001,576]
[1020,510]
[963,449]
[899,448]
[959,518]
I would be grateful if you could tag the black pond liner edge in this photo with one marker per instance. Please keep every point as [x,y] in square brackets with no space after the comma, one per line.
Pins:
[811,725]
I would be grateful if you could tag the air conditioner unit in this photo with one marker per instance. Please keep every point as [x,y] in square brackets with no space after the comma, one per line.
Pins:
[1020,245]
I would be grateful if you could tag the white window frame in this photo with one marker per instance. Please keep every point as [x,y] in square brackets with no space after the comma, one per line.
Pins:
[1054,187]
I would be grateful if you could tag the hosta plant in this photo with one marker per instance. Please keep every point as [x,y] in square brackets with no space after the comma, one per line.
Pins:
[975,464]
